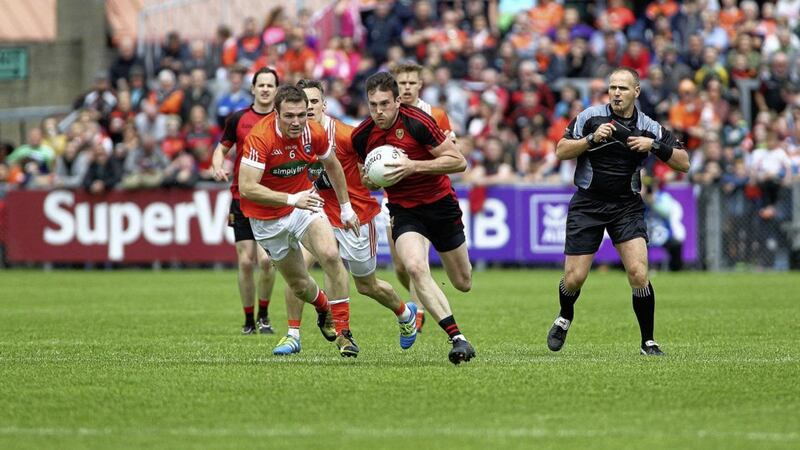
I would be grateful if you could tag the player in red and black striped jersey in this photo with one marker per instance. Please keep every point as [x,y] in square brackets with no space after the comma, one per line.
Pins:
[248,252]
[422,203]
[409,79]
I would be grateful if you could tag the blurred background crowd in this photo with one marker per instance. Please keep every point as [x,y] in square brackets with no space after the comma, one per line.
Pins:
[511,75]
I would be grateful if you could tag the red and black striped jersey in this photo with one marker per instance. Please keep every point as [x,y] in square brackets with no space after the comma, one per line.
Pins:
[416,133]
[237,127]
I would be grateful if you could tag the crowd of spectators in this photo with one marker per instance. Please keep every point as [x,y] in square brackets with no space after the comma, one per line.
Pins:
[509,73]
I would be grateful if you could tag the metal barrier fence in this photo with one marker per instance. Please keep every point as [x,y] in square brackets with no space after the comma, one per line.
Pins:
[749,229]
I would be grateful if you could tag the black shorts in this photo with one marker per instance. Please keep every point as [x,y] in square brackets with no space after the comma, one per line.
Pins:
[240,223]
[588,218]
[439,221]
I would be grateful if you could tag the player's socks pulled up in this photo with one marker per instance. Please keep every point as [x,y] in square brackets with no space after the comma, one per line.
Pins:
[644,305]
[340,308]
[321,301]
[294,329]
[567,300]
[263,307]
[249,318]
[450,327]
[403,313]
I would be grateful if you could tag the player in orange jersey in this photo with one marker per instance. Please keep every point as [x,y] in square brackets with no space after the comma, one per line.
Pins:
[277,197]
[409,80]
[358,252]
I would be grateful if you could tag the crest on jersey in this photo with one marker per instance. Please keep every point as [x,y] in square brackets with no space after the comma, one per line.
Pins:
[399,133]
[307,149]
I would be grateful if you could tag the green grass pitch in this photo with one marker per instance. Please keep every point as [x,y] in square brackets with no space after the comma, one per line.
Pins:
[141,359]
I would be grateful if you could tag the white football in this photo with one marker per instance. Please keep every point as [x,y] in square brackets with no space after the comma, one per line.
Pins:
[375,164]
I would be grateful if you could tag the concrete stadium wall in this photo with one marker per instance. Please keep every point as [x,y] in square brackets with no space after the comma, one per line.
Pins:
[58,71]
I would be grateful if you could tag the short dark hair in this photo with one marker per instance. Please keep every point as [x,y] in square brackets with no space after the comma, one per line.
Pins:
[291,94]
[407,67]
[311,84]
[631,71]
[266,70]
[383,81]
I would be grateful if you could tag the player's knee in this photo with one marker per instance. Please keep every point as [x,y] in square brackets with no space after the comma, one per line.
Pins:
[265,265]
[246,265]
[330,261]
[637,276]
[574,279]
[463,282]
[417,270]
[299,286]
[364,287]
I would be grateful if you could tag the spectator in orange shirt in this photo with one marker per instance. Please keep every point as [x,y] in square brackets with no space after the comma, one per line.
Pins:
[730,16]
[299,58]
[451,39]
[546,16]
[684,116]
[661,7]
[619,15]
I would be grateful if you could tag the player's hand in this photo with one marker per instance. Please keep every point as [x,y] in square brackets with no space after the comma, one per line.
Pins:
[220,174]
[349,218]
[309,200]
[640,144]
[368,183]
[603,132]
[399,169]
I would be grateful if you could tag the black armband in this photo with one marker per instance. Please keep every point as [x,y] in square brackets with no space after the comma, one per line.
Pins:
[661,150]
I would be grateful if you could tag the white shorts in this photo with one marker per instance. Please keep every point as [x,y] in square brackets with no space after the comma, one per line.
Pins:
[279,235]
[359,252]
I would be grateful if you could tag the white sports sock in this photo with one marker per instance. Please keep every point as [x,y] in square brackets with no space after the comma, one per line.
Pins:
[405,315]
[563,323]
[295,333]
[459,336]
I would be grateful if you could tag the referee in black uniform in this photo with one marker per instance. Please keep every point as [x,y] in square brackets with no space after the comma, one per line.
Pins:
[611,143]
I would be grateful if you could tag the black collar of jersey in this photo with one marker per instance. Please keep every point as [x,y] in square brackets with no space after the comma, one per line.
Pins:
[633,119]
[252,108]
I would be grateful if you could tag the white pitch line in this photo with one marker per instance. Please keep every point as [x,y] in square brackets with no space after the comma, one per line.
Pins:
[305,431]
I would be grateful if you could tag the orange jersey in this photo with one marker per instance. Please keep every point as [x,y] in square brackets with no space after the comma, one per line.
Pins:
[284,161]
[365,206]
[438,114]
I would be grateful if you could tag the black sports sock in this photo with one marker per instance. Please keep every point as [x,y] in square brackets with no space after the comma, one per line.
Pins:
[263,309]
[644,305]
[567,299]
[449,326]
[248,315]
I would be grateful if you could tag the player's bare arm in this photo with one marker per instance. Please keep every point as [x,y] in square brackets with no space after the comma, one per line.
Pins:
[251,189]
[336,174]
[572,148]
[679,160]
[217,160]
[447,159]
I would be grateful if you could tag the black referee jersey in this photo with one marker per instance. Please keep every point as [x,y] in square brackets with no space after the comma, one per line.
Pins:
[610,170]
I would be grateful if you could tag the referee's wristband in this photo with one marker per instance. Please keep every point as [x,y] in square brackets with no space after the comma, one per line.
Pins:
[661,150]
[292,199]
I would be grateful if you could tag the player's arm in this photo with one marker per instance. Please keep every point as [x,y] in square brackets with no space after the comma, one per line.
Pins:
[666,148]
[217,160]
[336,174]
[574,144]
[447,159]
[224,146]
[252,190]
